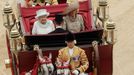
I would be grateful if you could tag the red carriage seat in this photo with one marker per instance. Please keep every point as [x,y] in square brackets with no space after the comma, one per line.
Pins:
[31,56]
[29,13]
[27,59]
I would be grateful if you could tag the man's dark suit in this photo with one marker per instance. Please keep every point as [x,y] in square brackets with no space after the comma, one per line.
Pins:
[58,30]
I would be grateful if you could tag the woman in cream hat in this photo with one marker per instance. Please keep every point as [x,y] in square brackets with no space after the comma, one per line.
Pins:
[72,21]
[42,25]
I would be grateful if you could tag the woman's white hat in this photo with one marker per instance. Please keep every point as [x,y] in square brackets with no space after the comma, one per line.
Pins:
[72,6]
[41,12]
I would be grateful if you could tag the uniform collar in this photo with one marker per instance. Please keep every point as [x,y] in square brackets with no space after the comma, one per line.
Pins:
[58,26]
[74,52]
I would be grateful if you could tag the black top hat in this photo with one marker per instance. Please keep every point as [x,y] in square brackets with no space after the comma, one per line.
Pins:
[58,18]
[70,37]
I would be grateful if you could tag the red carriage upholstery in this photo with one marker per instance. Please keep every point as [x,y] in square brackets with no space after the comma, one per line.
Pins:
[28,14]
[27,59]
[105,66]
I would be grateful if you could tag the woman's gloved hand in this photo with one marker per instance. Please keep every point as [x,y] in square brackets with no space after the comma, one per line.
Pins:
[76,72]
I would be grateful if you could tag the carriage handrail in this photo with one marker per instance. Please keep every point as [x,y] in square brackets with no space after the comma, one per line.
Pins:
[95,57]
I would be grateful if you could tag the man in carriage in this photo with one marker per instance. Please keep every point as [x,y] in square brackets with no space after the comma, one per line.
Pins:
[77,57]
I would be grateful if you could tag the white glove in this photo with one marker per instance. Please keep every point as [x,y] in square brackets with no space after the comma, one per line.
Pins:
[75,72]
[47,4]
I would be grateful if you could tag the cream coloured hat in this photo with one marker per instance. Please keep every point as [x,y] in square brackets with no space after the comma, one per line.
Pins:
[71,6]
[41,12]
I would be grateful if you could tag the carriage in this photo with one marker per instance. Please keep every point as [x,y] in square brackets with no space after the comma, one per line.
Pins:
[97,46]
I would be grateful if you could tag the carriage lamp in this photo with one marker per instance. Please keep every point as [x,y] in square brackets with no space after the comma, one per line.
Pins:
[110,31]
[9,21]
[102,2]
[15,41]
[103,11]
[8,17]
